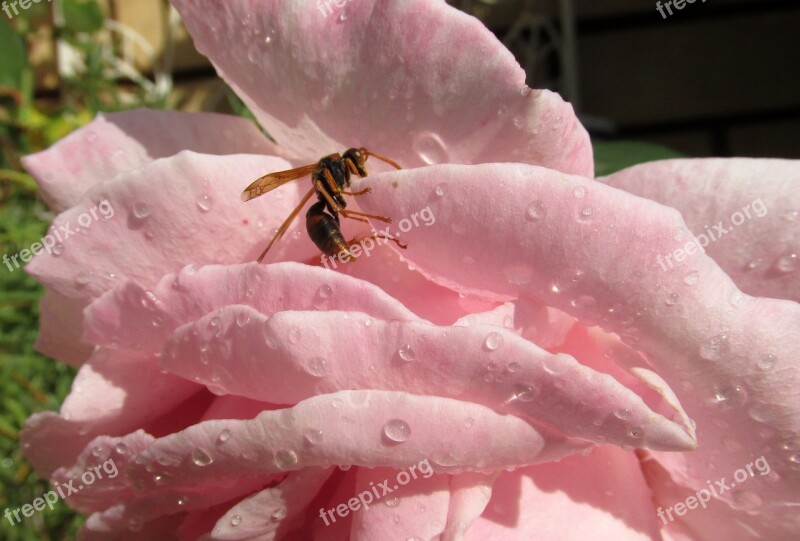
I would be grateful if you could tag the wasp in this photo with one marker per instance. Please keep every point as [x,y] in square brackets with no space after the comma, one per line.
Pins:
[330,178]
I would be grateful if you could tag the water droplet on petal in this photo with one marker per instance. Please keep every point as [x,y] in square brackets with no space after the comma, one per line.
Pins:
[317,366]
[236,520]
[397,430]
[204,203]
[201,458]
[121,448]
[691,278]
[579,192]
[513,366]
[430,148]
[224,436]
[278,514]
[440,190]
[672,299]
[392,501]
[325,291]
[493,341]
[714,347]
[407,353]
[285,459]
[622,413]
[524,392]
[58,249]
[242,319]
[182,501]
[141,210]
[313,436]
[767,362]
[536,211]
[786,264]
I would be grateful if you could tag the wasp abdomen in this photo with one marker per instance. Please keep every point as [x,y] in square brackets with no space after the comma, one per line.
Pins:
[324,230]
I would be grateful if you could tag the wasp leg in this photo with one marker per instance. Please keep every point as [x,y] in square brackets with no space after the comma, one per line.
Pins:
[344,212]
[397,241]
[335,187]
[286,224]
[386,236]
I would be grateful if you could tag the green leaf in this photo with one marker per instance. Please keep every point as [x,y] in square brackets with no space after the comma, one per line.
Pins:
[612,157]
[13,59]
[82,15]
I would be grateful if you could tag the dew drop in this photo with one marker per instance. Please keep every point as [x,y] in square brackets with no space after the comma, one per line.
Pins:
[536,211]
[201,458]
[397,430]
[224,436]
[278,514]
[524,392]
[285,459]
[58,249]
[236,520]
[83,279]
[786,264]
[368,322]
[141,211]
[313,436]
[767,362]
[791,215]
[586,213]
[579,192]
[182,501]
[317,366]
[556,365]
[440,190]
[714,347]
[204,203]
[325,291]
[121,448]
[493,341]
[764,413]
[672,299]
[622,413]
[678,233]
[691,278]
[430,148]
[336,403]
[407,353]
[392,501]
[242,319]
[513,366]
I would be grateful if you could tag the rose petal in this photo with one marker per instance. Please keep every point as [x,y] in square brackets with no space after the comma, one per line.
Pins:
[417,509]
[60,329]
[115,143]
[599,497]
[745,211]
[114,393]
[124,316]
[441,79]
[738,353]
[273,510]
[295,355]
[366,432]
[469,495]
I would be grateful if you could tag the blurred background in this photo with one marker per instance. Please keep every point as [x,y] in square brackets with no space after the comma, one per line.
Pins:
[718,78]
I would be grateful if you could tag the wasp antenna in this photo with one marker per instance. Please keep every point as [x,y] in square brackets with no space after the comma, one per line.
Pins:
[382,158]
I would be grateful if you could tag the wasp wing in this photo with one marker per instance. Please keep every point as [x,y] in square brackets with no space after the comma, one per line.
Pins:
[271,181]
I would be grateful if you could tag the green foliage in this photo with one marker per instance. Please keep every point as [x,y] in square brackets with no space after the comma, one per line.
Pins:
[82,16]
[30,382]
[615,156]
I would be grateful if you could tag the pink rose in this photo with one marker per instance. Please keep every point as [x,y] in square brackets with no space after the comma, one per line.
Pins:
[528,369]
